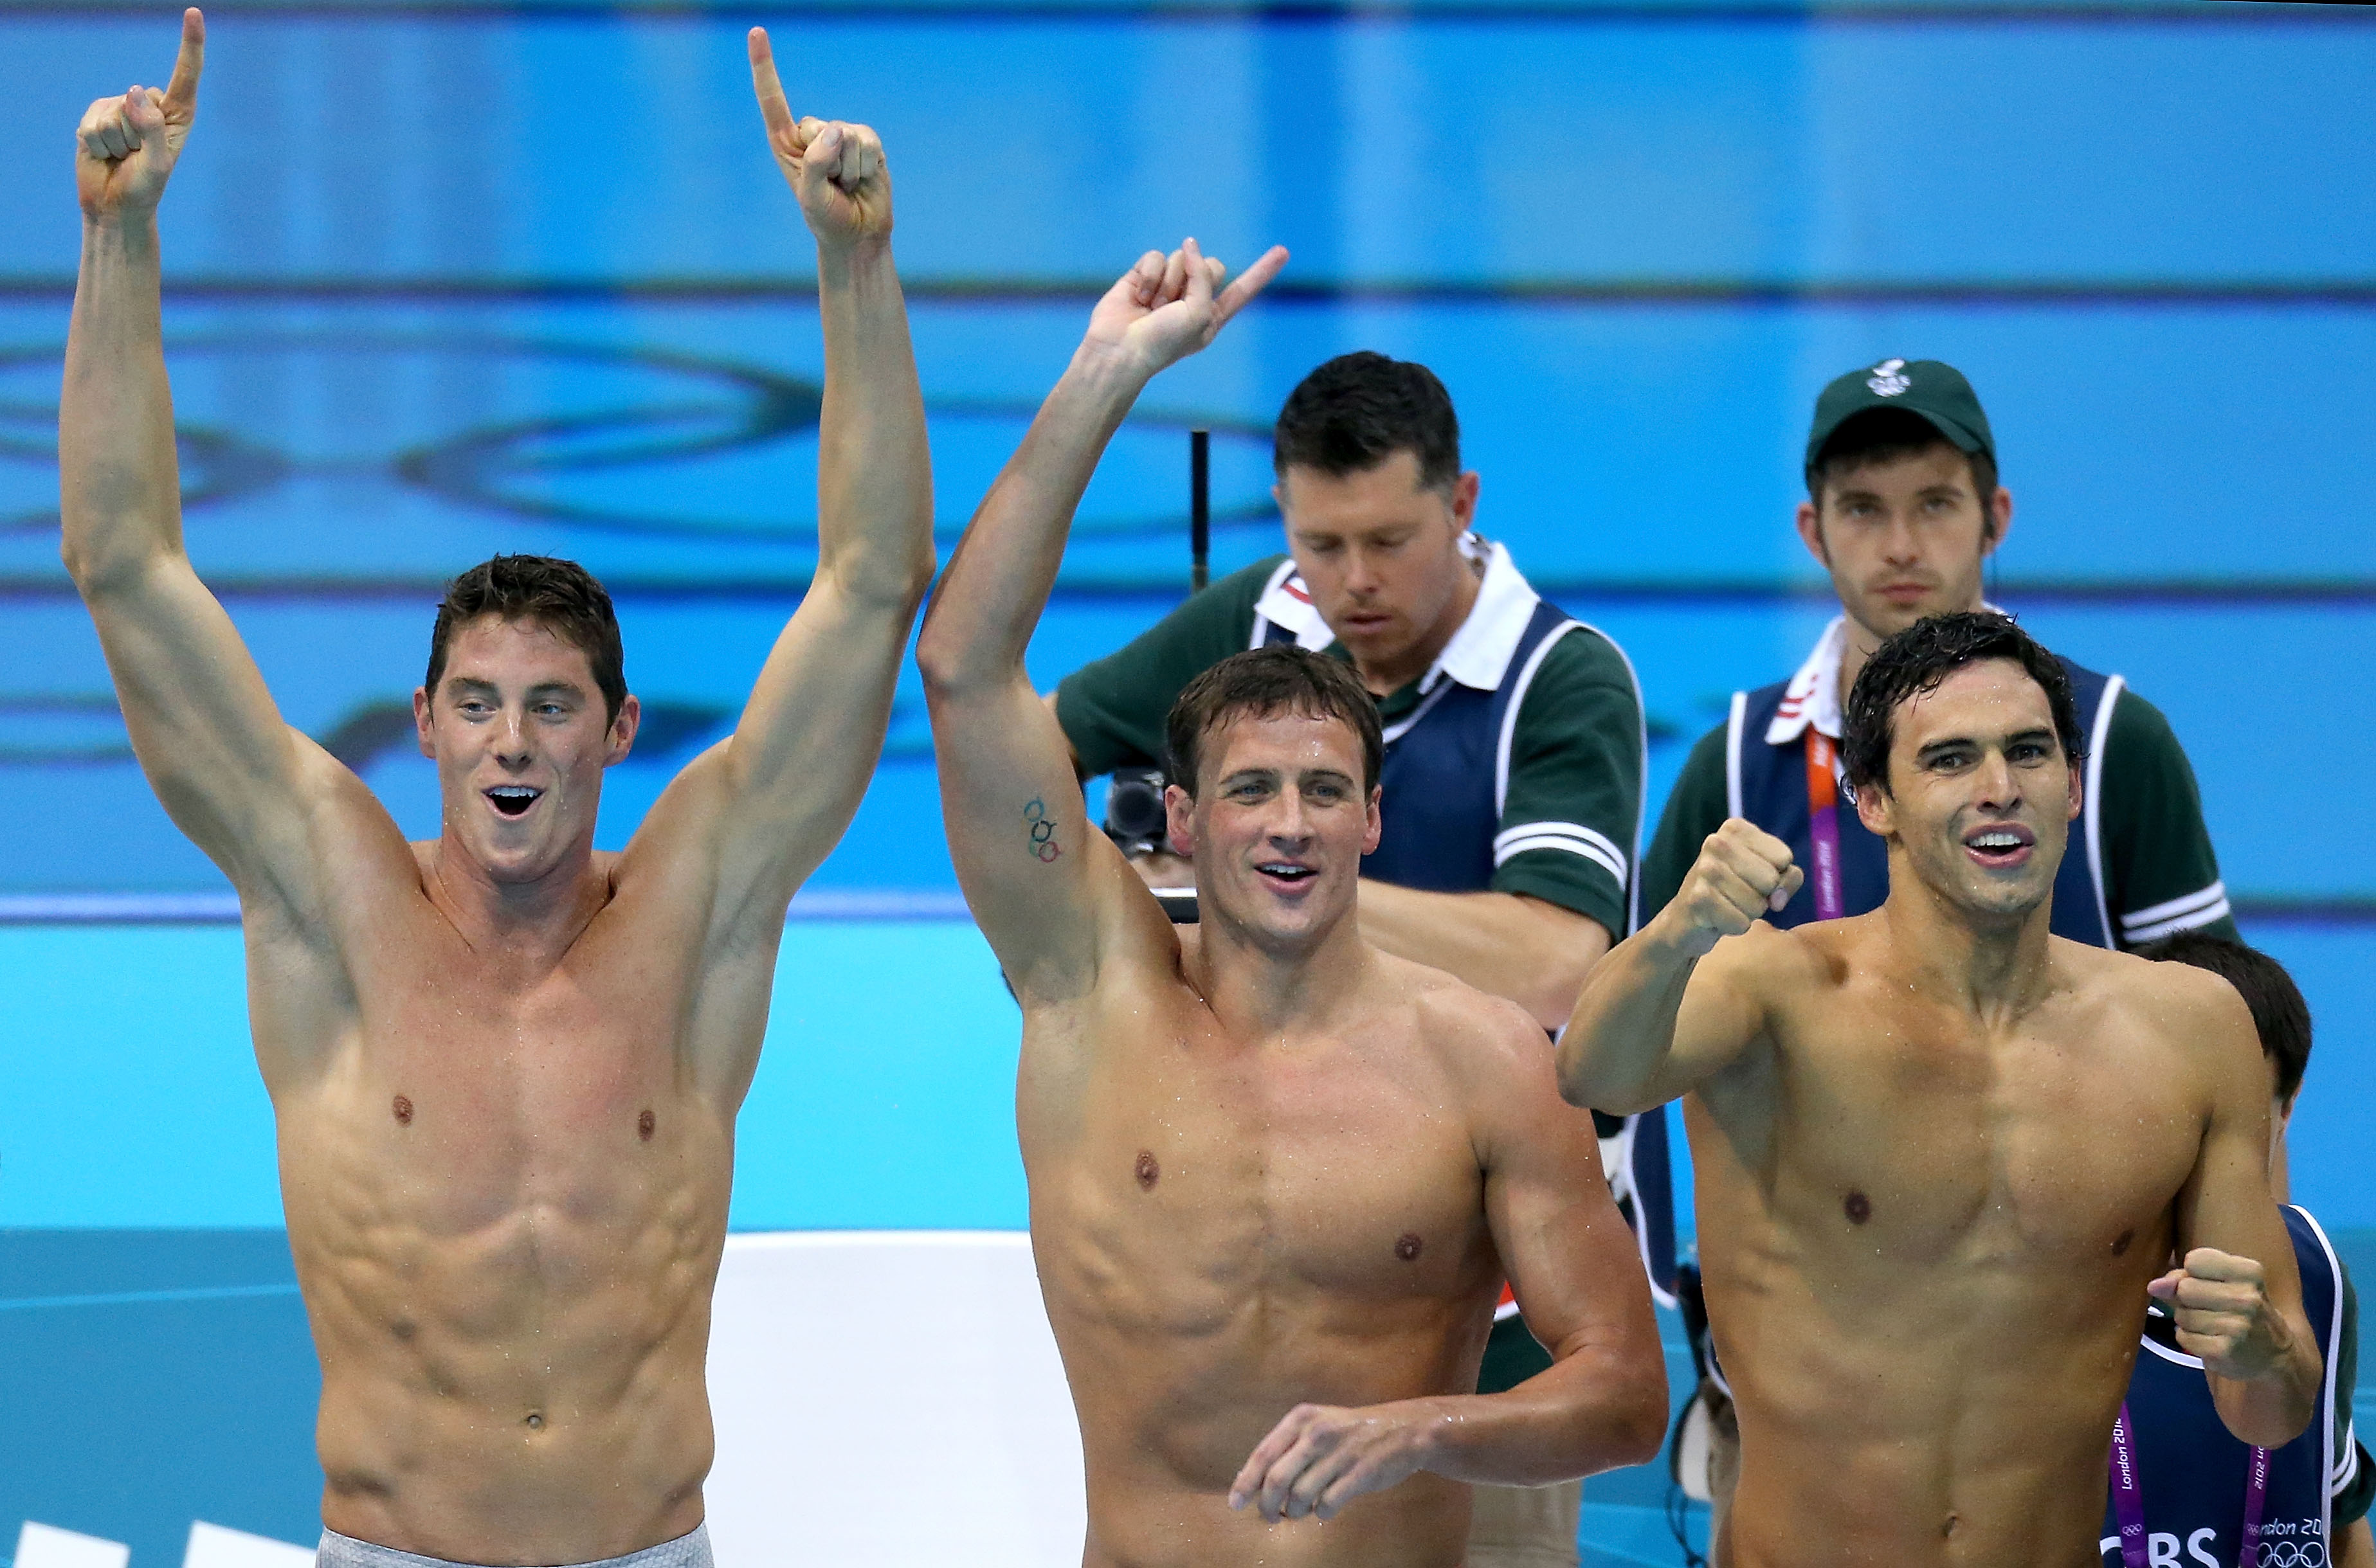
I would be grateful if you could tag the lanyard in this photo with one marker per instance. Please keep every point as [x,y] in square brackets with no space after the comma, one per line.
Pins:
[1824,826]
[2129,1498]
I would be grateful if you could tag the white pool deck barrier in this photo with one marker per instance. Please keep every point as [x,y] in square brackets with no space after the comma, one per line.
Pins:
[883,1399]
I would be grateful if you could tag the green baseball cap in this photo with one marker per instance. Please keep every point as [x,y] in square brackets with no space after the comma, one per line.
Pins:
[1937,392]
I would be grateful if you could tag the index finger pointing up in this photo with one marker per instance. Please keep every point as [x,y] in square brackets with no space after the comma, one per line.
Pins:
[773,107]
[182,92]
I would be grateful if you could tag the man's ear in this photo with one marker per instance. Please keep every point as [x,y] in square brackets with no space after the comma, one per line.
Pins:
[1463,501]
[1180,821]
[2075,791]
[1875,809]
[1376,825]
[1810,533]
[1999,523]
[623,730]
[420,722]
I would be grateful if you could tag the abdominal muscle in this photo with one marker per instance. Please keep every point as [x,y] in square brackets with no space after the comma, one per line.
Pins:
[513,1339]
[1940,1428]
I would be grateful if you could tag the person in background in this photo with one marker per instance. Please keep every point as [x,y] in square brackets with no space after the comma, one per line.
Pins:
[1904,509]
[1514,770]
[2180,1480]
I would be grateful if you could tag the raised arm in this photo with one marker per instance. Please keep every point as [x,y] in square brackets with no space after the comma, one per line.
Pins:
[1035,873]
[1571,1260]
[225,766]
[2237,1293]
[775,798]
[1667,1008]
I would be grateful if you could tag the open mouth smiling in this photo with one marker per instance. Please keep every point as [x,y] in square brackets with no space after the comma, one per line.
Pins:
[1999,846]
[1285,875]
[512,800]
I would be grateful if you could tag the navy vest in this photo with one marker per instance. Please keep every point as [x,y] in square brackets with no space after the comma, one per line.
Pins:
[1440,811]
[2190,1470]
[1768,786]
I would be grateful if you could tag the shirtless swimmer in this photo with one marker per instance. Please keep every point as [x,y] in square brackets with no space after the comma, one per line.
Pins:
[1277,1175]
[1941,1155]
[505,1067]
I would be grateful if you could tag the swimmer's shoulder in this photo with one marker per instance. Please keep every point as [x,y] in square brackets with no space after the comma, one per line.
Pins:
[2191,1009]
[1475,1028]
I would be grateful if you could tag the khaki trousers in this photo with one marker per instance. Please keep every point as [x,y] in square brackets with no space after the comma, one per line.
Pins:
[1525,1526]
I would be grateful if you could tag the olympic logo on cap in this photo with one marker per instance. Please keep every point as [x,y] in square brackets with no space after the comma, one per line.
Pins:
[1889,378]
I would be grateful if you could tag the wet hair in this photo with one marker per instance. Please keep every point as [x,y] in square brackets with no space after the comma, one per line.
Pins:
[1360,409]
[1883,435]
[2280,1016]
[1917,659]
[1263,681]
[560,596]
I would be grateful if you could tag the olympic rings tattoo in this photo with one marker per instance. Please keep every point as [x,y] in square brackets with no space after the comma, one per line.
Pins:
[1042,829]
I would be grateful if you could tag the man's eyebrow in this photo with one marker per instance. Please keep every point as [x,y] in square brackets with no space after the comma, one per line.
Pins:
[1942,744]
[1332,775]
[2035,733]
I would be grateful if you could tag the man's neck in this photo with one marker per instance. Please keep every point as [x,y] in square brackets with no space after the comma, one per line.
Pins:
[1861,642]
[1994,970]
[1392,675]
[534,921]
[1259,989]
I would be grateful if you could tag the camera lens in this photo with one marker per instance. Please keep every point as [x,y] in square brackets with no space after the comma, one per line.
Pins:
[1134,807]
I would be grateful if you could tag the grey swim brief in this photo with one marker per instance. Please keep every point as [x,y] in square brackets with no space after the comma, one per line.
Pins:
[345,1551]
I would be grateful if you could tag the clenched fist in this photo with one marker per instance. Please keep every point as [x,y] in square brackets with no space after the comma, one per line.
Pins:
[2223,1314]
[1742,874]
[125,148]
[836,170]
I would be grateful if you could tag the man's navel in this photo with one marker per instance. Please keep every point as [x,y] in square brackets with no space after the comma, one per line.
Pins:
[403,1109]
[1857,1207]
[1147,1170]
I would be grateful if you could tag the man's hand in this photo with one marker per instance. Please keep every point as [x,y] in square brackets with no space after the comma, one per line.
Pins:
[2223,1314]
[125,148]
[836,170]
[1320,1457]
[1743,874]
[1164,309]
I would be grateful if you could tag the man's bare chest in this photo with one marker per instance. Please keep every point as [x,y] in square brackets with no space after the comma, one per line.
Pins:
[467,1095]
[1343,1168]
[1896,1138]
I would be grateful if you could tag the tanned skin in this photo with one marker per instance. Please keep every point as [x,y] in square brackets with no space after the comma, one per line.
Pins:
[1277,1175]
[1941,1157]
[505,1067]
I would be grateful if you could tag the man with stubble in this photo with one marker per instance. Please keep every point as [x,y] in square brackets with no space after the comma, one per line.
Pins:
[1941,1153]
[505,1067]
[1277,1176]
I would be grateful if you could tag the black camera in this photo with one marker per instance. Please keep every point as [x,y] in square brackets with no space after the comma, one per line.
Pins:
[1134,810]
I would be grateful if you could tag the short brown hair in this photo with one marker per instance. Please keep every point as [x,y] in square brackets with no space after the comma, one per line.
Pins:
[560,596]
[1263,681]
